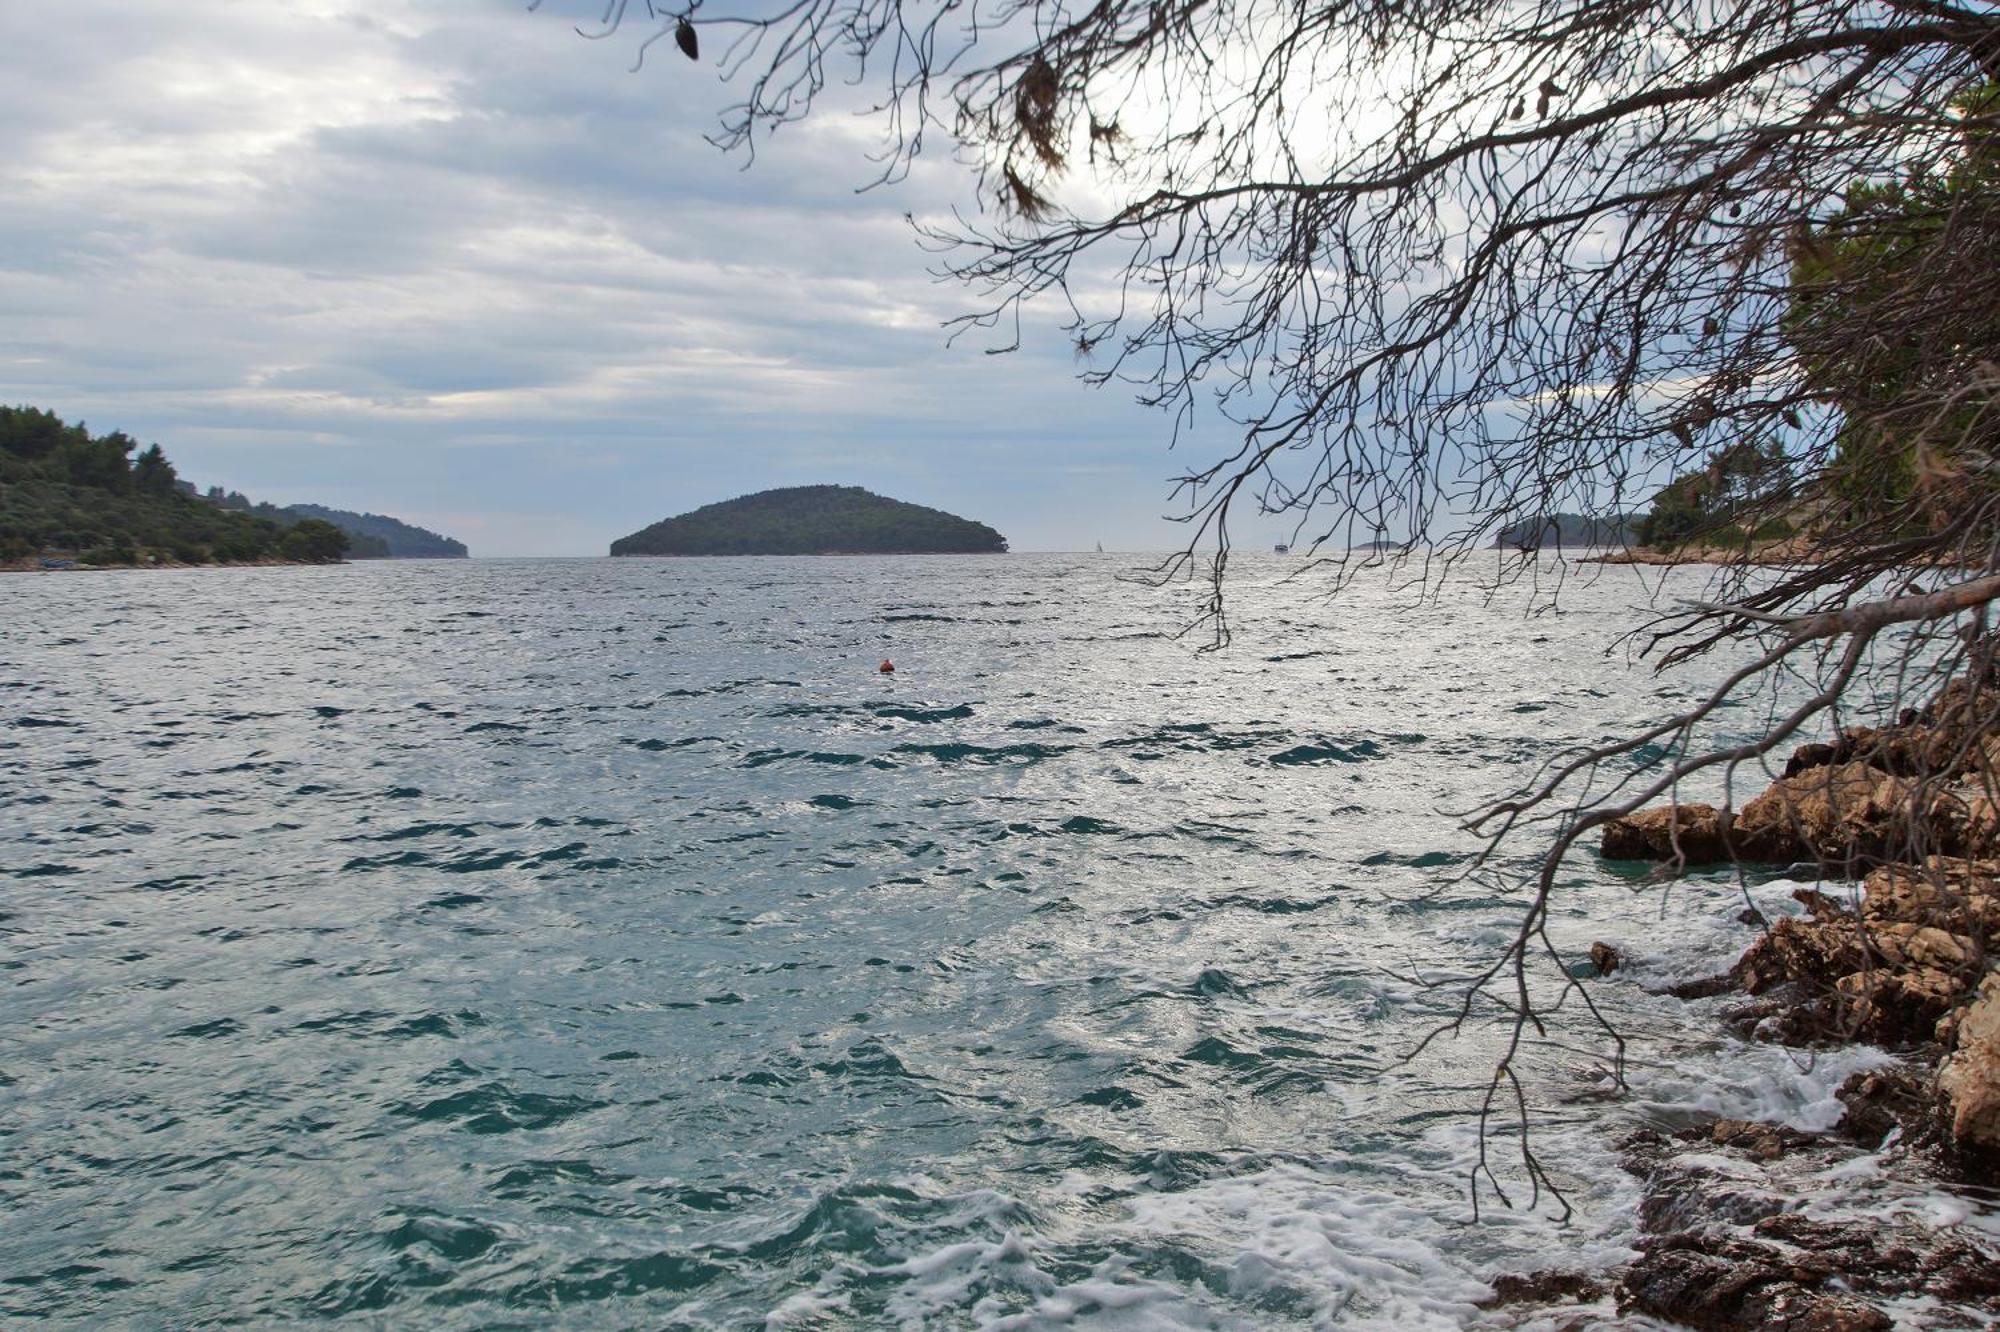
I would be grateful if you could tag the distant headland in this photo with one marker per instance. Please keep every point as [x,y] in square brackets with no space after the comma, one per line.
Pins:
[813,520]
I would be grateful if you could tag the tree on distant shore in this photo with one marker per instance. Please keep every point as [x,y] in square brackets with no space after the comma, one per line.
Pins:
[1452,266]
[1728,502]
[152,474]
[313,541]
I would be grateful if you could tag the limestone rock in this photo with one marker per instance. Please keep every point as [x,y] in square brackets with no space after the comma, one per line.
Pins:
[1711,1283]
[1966,820]
[1905,945]
[1962,896]
[1897,1006]
[1762,1141]
[1969,1082]
[1548,1287]
[1813,953]
[1653,834]
[1880,1101]
[1827,813]
[1807,757]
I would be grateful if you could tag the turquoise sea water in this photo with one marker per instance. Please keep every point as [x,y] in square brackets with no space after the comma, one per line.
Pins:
[606,943]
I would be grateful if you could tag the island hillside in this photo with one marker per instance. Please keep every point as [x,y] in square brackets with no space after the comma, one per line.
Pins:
[1568,529]
[68,496]
[813,520]
[371,536]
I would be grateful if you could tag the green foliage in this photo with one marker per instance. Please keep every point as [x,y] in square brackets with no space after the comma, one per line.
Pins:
[1710,507]
[813,520]
[30,434]
[377,536]
[313,542]
[152,474]
[371,536]
[65,491]
[1877,329]
[1775,529]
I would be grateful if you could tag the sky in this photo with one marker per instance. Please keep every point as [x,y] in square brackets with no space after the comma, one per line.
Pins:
[446,260]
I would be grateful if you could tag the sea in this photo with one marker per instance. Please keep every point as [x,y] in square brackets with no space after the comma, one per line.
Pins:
[610,943]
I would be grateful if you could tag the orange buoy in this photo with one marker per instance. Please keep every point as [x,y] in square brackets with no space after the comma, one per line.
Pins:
[887,668]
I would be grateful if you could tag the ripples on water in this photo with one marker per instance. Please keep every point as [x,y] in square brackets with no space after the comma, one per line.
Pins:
[605,943]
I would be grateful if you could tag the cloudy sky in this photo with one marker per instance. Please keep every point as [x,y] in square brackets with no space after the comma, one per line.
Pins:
[446,260]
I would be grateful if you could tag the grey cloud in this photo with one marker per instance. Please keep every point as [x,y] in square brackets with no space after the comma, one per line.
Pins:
[454,263]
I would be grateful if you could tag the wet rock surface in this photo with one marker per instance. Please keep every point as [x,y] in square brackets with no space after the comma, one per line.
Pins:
[1880,1102]
[1695,833]
[1828,813]
[1908,965]
[1545,1288]
[1711,1282]
[1905,958]
[1969,1081]
[1728,1245]
[1931,780]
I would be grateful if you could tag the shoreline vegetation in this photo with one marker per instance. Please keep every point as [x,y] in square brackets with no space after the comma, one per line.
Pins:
[70,499]
[1897,961]
[145,562]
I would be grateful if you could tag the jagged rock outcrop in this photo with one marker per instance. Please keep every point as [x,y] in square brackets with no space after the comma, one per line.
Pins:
[1696,833]
[1890,973]
[1834,813]
[1728,1248]
[1905,959]
[1947,892]
[1803,951]
[1879,1101]
[1930,781]
[1969,1081]
[1708,1282]
[1908,962]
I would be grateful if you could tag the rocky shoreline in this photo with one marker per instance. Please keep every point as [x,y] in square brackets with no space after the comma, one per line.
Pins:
[1787,552]
[1731,1237]
[1730,1233]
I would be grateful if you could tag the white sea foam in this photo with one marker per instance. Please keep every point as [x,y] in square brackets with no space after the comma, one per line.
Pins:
[1375,1243]
[1748,1080]
[1300,1247]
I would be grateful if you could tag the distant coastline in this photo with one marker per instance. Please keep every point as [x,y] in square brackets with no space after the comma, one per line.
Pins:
[1789,552]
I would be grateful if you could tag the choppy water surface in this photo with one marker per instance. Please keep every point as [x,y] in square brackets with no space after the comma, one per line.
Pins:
[605,943]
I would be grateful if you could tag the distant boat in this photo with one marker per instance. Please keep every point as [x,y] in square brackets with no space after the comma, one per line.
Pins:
[1100,548]
[1281,549]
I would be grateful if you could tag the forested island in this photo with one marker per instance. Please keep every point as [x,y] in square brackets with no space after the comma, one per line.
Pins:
[1568,529]
[370,536]
[813,520]
[70,497]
